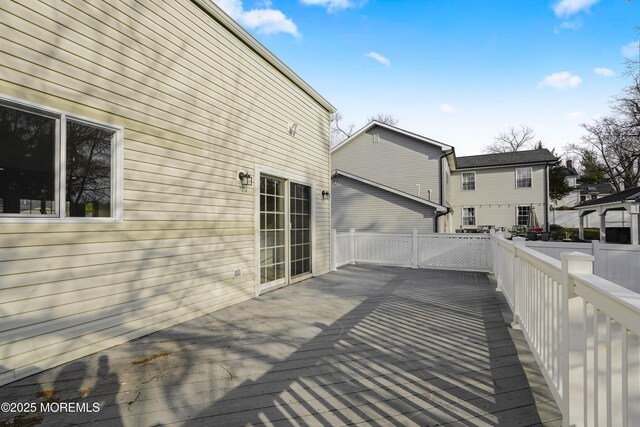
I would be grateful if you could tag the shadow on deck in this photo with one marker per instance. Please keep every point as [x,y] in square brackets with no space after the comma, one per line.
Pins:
[365,345]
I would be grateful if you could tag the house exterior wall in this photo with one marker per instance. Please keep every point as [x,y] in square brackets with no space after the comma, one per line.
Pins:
[397,161]
[371,209]
[496,197]
[196,104]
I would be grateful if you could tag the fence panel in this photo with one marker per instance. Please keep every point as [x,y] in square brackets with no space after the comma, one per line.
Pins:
[616,263]
[388,249]
[619,264]
[455,251]
[343,249]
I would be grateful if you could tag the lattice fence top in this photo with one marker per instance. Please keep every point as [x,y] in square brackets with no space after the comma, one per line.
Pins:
[446,251]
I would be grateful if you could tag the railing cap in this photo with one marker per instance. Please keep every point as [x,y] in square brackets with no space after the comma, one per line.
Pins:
[576,256]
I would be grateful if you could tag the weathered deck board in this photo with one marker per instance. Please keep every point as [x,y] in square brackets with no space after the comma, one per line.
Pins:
[365,345]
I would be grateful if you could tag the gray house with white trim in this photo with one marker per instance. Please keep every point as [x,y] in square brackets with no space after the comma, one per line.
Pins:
[386,179]
[389,180]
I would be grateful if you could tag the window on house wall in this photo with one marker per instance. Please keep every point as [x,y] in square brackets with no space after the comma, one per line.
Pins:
[468,216]
[468,181]
[523,215]
[56,166]
[523,178]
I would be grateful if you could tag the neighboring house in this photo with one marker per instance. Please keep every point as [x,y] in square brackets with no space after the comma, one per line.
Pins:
[151,156]
[388,180]
[581,192]
[500,189]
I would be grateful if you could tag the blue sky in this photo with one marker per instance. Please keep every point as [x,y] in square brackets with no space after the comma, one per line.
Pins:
[458,71]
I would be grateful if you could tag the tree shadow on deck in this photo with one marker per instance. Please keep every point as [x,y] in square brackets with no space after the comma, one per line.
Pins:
[426,348]
[365,345]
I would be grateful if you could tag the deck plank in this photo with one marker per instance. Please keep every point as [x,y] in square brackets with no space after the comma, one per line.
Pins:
[366,345]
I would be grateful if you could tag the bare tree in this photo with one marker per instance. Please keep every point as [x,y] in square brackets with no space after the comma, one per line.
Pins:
[387,119]
[340,131]
[614,140]
[512,140]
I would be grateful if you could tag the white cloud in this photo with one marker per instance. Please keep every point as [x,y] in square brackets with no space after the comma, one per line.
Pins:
[334,5]
[630,50]
[561,80]
[265,20]
[569,25]
[565,8]
[448,108]
[605,72]
[377,57]
[574,115]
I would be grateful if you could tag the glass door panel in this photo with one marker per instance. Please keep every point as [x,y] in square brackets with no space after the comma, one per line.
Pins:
[272,230]
[300,237]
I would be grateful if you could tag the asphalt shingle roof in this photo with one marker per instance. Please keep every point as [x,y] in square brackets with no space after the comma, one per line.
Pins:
[620,196]
[501,159]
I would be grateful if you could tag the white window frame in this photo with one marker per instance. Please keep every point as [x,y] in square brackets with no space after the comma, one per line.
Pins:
[117,162]
[287,176]
[475,182]
[518,214]
[475,216]
[530,176]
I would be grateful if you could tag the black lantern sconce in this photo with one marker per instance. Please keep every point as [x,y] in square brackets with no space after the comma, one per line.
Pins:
[325,195]
[245,179]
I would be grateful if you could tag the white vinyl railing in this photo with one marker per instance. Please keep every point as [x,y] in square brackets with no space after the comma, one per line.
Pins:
[583,330]
[441,251]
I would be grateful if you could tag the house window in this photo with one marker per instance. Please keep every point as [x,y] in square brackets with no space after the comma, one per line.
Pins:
[523,215]
[468,181]
[523,178]
[468,216]
[53,165]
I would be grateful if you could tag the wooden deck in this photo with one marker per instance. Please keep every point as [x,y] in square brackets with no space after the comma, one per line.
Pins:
[365,345]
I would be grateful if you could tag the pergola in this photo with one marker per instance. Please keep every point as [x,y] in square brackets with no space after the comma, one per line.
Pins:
[627,200]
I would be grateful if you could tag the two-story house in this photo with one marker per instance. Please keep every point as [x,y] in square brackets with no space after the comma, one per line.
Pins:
[386,179]
[500,189]
[390,180]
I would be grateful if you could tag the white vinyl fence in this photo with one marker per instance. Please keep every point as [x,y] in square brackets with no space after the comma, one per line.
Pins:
[619,264]
[583,330]
[442,251]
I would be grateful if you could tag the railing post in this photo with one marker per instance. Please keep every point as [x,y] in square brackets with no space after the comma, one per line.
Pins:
[414,250]
[518,243]
[495,236]
[334,249]
[571,360]
[352,232]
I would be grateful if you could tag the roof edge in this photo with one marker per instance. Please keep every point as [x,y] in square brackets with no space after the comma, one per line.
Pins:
[445,147]
[243,35]
[436,206]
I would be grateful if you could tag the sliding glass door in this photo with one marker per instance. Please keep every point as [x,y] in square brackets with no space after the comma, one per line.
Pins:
[300,241]
[285,232]
[272,231]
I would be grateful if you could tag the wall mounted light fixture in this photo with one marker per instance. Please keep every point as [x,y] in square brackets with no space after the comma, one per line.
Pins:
[245,179]
[292,128]
[325,195]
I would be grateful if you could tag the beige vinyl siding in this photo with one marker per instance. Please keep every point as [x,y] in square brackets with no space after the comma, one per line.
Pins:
[196,105]
[397,161]
[496,196]
[371,209]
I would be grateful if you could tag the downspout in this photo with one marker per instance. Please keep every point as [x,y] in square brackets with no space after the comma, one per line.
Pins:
[546,197]
[440,173]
